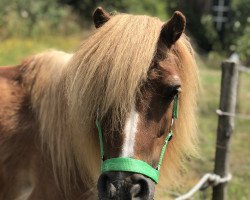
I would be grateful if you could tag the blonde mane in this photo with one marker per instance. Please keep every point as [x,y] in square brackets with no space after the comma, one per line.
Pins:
[105,73]
[184,142]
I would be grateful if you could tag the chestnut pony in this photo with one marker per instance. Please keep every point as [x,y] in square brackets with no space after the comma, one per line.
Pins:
[124,77]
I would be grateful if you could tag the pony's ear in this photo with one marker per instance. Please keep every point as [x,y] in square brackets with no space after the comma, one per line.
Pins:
[100,17]
[172,30]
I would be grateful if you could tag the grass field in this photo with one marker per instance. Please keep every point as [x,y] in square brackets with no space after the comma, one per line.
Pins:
[240,148]
[13,50]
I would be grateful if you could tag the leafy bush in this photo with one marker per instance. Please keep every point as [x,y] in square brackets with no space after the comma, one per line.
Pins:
[34,18]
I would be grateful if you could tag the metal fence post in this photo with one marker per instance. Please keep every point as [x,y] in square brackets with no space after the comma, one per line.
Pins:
[225,128]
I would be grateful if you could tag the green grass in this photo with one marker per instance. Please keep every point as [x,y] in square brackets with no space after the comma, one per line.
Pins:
[12,51]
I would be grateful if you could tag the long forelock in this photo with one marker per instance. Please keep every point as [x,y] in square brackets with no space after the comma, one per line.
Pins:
[110,66]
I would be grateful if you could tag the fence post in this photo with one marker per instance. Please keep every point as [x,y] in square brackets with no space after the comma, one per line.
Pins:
[225,128]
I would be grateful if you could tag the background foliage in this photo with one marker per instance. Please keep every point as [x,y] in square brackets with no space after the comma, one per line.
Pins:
[83,8]
[201,26]
[29,18]
[239,29]
[35,18]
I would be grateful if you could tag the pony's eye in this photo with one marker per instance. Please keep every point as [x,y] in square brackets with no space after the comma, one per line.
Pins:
[175,90]
[171,91]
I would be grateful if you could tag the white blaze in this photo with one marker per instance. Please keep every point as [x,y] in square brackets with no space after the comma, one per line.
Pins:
[130,132]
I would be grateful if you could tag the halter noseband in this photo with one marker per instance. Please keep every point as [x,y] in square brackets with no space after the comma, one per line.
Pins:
[133,165]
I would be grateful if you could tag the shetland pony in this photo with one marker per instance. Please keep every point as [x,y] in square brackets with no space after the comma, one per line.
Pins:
[125,75]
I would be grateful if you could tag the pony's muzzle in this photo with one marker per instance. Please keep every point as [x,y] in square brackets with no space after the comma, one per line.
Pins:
[125,185]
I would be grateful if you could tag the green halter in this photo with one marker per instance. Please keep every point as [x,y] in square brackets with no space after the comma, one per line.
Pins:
[134,165]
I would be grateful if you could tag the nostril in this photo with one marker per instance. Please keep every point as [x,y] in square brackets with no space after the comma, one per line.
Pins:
[135,190]
[140,191]
[140,188]
[105,187]
[102,182]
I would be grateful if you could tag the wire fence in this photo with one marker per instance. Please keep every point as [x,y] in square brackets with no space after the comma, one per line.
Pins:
[245,69]
[206,181]
[238,115]
[212,179]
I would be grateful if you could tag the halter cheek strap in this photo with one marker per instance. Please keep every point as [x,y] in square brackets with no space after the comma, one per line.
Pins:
[134,165]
